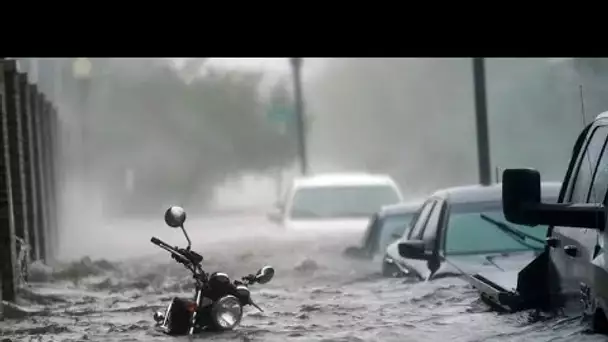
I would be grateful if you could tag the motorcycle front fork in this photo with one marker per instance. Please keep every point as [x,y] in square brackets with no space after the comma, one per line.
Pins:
[193,323]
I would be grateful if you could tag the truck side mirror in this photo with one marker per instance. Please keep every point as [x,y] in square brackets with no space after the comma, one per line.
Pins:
[521,197]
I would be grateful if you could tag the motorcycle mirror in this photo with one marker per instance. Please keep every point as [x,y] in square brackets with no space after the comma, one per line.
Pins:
[175,216]
[264,275]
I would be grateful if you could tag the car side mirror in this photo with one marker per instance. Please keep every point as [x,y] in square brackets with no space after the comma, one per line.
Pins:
[414,249]
[521,198]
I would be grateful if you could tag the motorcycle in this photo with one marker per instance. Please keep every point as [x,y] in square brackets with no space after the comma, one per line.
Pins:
[218,303]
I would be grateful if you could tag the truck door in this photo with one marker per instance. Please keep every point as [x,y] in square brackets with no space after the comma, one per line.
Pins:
[572,248]
[593,240]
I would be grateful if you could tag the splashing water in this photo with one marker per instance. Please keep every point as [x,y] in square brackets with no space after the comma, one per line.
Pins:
[316,295]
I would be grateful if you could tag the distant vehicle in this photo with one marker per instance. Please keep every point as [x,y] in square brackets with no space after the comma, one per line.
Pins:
[384,227]
[336,201]
[462,230]
[573,267]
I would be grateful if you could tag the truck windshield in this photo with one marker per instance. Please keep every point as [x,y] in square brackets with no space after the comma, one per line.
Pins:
[341,201]
[472,229]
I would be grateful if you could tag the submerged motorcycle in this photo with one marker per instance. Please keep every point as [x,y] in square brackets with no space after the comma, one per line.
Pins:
[218,303]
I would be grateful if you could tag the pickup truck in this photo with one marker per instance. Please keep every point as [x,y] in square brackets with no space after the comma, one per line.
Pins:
[573,267]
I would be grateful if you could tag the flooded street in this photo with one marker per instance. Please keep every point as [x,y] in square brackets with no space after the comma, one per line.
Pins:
[316,295]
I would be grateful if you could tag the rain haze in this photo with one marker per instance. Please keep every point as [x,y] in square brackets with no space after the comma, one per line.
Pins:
[218,137]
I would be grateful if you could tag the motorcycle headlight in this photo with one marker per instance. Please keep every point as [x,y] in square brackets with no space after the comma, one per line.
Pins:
[227,312]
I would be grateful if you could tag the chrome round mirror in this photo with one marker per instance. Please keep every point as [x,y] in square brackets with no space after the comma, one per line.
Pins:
[175,217]
[264,275]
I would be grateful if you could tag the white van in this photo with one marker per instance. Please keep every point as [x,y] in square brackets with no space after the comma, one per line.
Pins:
[327,202]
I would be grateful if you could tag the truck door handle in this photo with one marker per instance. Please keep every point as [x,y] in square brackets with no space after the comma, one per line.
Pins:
[552,242]
[571,250]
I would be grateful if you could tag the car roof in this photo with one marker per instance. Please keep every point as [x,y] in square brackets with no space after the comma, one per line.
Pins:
[400,208]
[343,179]
[602,115]
[489,193]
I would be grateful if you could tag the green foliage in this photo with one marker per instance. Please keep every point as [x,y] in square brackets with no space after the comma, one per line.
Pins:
[182,133]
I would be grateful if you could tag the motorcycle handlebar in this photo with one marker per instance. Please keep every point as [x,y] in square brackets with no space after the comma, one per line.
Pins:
[160,243]
[176,254]
[189,255]
[157,241]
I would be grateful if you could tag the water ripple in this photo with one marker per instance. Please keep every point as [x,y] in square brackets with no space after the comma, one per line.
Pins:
[316,296]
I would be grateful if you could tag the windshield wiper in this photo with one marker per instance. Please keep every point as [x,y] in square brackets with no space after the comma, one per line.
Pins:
[515,234]
[490,259]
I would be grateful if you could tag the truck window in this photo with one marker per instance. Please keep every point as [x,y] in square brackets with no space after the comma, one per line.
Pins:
[581,183]
[412,222]
[599,186]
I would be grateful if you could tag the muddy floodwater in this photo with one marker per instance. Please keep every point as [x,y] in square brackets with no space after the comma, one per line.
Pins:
[316,295]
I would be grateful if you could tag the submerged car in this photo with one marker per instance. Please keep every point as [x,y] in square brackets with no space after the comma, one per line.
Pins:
[573,266]
[329,202]
[384,227]
[462,231]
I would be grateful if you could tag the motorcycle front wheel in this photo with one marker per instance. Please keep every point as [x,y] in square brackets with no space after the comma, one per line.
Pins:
[178,317]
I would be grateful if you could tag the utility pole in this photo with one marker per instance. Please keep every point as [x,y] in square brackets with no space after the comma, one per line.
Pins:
[296,65]
[481,120]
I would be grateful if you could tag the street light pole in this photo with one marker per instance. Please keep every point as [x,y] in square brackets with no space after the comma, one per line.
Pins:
[296,64]
[81,70]
[481,119]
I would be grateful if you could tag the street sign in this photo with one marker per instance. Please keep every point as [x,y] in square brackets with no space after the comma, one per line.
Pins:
[281,114]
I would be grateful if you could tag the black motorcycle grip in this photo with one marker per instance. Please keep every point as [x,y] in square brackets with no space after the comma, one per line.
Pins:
[157,241]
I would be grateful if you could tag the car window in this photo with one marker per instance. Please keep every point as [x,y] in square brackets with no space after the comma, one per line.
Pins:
[430,232]
[586,166]
[468,233]
[413,221]
[328,202]
[416,232]
[371,232]
[393,226]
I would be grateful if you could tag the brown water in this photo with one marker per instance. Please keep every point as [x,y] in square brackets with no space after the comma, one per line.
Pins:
[316,295]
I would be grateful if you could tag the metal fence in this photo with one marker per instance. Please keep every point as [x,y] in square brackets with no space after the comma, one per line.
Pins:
[28,202]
